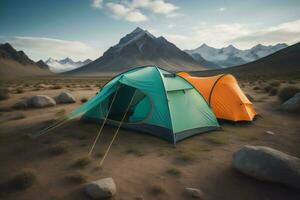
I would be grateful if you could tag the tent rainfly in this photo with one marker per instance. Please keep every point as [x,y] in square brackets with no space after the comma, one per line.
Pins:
[155,101]
[224,96]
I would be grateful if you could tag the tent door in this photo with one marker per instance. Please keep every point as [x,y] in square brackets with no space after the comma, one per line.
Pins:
[138,110]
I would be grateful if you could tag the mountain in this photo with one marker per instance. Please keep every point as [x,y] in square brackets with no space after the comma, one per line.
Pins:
[231,56]
[204,62]
[283,63]
[140,48]
[15,64]
[67,64]
[42,64]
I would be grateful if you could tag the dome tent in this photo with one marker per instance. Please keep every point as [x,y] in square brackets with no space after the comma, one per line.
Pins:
[163,104]
[224,96]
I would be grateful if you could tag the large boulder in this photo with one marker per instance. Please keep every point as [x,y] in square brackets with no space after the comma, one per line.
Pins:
[292,105]
[268,164]
[101,189]
[64,97]
[40,101]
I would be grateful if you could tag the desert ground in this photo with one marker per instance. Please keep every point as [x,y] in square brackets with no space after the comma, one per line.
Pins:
[143,166]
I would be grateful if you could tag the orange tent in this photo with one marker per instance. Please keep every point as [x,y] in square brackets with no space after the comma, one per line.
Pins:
[224,96]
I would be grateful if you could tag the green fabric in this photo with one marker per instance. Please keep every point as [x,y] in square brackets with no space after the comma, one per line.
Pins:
[161,99]
[189,110]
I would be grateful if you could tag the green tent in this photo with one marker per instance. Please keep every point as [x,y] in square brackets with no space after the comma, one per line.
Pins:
[158,102]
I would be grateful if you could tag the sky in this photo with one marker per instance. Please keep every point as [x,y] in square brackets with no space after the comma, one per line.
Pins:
[82,29]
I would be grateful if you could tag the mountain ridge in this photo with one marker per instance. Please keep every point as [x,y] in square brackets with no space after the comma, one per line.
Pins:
[231,56]
[138,48]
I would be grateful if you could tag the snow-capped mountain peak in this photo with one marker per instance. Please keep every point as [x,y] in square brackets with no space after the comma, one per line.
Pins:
[63,65]
[232,56]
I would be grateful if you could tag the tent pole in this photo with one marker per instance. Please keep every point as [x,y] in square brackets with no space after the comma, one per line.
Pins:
[116,133]
[104,121]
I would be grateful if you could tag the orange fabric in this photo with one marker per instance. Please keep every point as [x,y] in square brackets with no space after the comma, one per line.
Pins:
[224,95]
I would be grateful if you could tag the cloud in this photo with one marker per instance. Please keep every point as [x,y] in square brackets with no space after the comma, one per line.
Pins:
[288,32]
[43,48]
[120,11]
[133,10]
[156,6]
[97,3]
[241,35]
[221,9]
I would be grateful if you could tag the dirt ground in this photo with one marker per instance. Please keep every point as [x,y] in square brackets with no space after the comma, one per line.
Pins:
[143,166]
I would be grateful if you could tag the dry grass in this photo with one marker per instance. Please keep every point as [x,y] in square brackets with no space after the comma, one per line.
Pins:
[216,138]
[19,90]
[273,92]
[4,93]
[134,151]
[76,178]
[287,93]
[156,190]
[83,99]
[59,149]
[275,83]
[60,113]
[174,172]
[82,162]
[25,178]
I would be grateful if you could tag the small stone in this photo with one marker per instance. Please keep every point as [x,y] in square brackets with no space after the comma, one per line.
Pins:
[194,193]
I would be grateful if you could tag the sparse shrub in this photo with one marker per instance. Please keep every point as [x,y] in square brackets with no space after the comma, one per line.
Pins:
[256,88]
[4,93]
[20,90]
[268,88]
[291,82]
[60,113]
[99,155]
[56,87]
[134,151]
[82,162]
[20,105]
[174,172]
[156,190]
[216,138]
[76,178]
[287,93]
[59,148]
[83,99]
[18,116]
[275,83]
[273,92]
[25,178]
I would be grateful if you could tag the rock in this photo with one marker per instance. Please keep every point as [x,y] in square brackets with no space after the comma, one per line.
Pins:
[101,189]
[270,132]
[20,105]
[64,97]
[268,164]
[40,101]
[292,105]
[194,193]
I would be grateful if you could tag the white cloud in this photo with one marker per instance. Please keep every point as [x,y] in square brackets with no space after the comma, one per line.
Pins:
[222,9]
[133,10]
[97,3]
[156,6]
[43,48]
[120,11]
